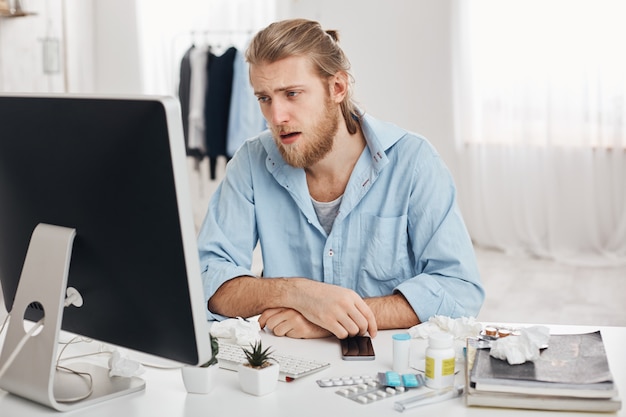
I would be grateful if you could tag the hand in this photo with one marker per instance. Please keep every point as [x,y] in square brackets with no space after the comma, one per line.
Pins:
[339,310]
[289,322]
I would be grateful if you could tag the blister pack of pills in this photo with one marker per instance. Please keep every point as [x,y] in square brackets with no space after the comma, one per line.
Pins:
[345,381]
[369,393]
[394,379]
[387,384]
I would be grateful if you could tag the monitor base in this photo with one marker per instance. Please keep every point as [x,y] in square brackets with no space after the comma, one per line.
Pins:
[33,374]
[68,387]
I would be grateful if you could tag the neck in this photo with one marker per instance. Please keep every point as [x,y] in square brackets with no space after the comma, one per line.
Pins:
[327,179]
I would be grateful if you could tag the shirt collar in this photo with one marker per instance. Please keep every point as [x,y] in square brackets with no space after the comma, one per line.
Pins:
[379,136]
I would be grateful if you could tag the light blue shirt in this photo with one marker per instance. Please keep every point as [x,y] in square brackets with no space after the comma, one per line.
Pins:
[398,227]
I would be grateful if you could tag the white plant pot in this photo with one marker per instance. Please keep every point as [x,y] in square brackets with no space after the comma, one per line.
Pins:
[258,381]
[199,380]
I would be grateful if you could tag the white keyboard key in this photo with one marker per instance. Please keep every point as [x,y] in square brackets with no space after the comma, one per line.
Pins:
[230,356]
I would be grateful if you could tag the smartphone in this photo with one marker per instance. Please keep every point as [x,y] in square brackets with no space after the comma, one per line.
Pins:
[357,348]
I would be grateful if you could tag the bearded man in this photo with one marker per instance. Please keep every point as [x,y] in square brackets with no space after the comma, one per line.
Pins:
[356,218]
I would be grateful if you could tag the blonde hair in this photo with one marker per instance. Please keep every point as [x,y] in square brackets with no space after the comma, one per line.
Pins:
[301,37]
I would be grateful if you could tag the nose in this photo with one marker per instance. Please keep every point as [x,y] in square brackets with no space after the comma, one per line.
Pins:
[279,113]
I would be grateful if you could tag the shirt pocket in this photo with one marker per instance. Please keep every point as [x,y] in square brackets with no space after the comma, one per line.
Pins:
[385,255]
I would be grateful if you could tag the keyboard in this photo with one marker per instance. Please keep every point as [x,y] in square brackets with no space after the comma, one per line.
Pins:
[231,355]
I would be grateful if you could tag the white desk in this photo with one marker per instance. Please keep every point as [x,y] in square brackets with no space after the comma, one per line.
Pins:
[165,394]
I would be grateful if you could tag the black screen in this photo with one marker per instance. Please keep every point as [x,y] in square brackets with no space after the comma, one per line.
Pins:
[104,167]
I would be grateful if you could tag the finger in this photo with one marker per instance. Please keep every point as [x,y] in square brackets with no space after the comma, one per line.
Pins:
[282,321]
[368,323]
[333,323]
[283,328]
[337,329]
[360,321]
[373,330]
[372,326]
[267,314]
[350,325]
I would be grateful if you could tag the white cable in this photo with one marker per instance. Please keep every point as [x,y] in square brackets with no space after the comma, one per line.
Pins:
[73,297]
[23,341]
[74,340]
[19,347]
[60,368]
[81,374]
[4,323]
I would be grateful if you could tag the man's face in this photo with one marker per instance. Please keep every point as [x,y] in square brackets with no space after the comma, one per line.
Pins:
[297,105]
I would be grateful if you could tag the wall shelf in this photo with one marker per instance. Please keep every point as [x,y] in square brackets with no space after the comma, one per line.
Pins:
[6,13]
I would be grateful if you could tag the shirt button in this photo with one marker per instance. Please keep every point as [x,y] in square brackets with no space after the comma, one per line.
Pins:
[331,253]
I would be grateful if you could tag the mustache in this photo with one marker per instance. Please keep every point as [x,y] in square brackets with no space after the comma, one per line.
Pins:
[285,130]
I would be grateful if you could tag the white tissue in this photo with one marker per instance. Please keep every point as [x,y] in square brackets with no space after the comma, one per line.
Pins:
[242,332]
[519,349]
[119,366]
[460,328]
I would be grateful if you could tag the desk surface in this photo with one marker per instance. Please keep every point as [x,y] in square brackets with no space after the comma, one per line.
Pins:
[165,394]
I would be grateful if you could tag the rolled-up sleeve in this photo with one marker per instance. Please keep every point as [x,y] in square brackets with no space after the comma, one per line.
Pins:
[225,251]
[448,281]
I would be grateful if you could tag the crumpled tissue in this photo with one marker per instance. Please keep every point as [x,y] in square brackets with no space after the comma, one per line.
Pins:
[239,331]
[524,347]
[460,328]
[120,366]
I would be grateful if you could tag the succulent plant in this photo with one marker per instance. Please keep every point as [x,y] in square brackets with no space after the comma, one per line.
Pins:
[257,356]
[215,348]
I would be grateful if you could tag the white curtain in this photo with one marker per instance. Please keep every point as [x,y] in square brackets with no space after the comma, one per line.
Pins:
[541,126]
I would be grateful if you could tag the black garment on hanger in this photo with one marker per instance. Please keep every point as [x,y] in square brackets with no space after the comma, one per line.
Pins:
[184,85]
[217,104]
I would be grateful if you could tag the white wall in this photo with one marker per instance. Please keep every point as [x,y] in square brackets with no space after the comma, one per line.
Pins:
[117,55]
[401,57]
[21,49]
[98,47]
[80,46]
[400,52]
[103,49]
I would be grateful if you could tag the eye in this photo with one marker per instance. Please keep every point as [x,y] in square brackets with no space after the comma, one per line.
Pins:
[263,99]
[292,93]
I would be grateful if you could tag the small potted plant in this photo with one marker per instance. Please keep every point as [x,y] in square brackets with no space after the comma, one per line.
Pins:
[259,375]
[201,379]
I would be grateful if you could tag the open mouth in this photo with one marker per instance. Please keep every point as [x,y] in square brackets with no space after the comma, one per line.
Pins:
[289,137]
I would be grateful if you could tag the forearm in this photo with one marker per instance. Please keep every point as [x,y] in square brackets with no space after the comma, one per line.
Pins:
[248,296]
[338,310]
[392,312]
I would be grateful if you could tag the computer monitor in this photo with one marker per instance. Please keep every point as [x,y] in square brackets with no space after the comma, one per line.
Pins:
[95,190]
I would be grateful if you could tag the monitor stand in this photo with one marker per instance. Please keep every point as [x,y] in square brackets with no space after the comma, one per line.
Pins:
[33,374]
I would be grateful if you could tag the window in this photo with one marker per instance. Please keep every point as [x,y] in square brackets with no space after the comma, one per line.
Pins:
[543,73]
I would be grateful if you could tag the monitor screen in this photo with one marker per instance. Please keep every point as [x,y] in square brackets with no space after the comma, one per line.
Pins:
[114,169]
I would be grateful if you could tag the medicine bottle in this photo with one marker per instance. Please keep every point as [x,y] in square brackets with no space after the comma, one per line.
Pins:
[440,361]
[401,346]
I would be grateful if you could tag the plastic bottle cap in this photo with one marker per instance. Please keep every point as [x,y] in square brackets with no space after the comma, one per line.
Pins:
[401,336]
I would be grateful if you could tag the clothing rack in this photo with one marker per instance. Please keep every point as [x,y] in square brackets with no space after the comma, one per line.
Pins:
[228,127]
[191,34]
[206,33]
[222,35]
[222,31]
[182,40]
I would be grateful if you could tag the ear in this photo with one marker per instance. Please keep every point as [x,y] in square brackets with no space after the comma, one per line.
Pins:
[338,85]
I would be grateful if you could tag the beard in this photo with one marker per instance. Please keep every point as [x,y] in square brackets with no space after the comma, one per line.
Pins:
[316,144]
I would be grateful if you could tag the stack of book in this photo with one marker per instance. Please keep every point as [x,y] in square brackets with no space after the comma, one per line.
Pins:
[572,374]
